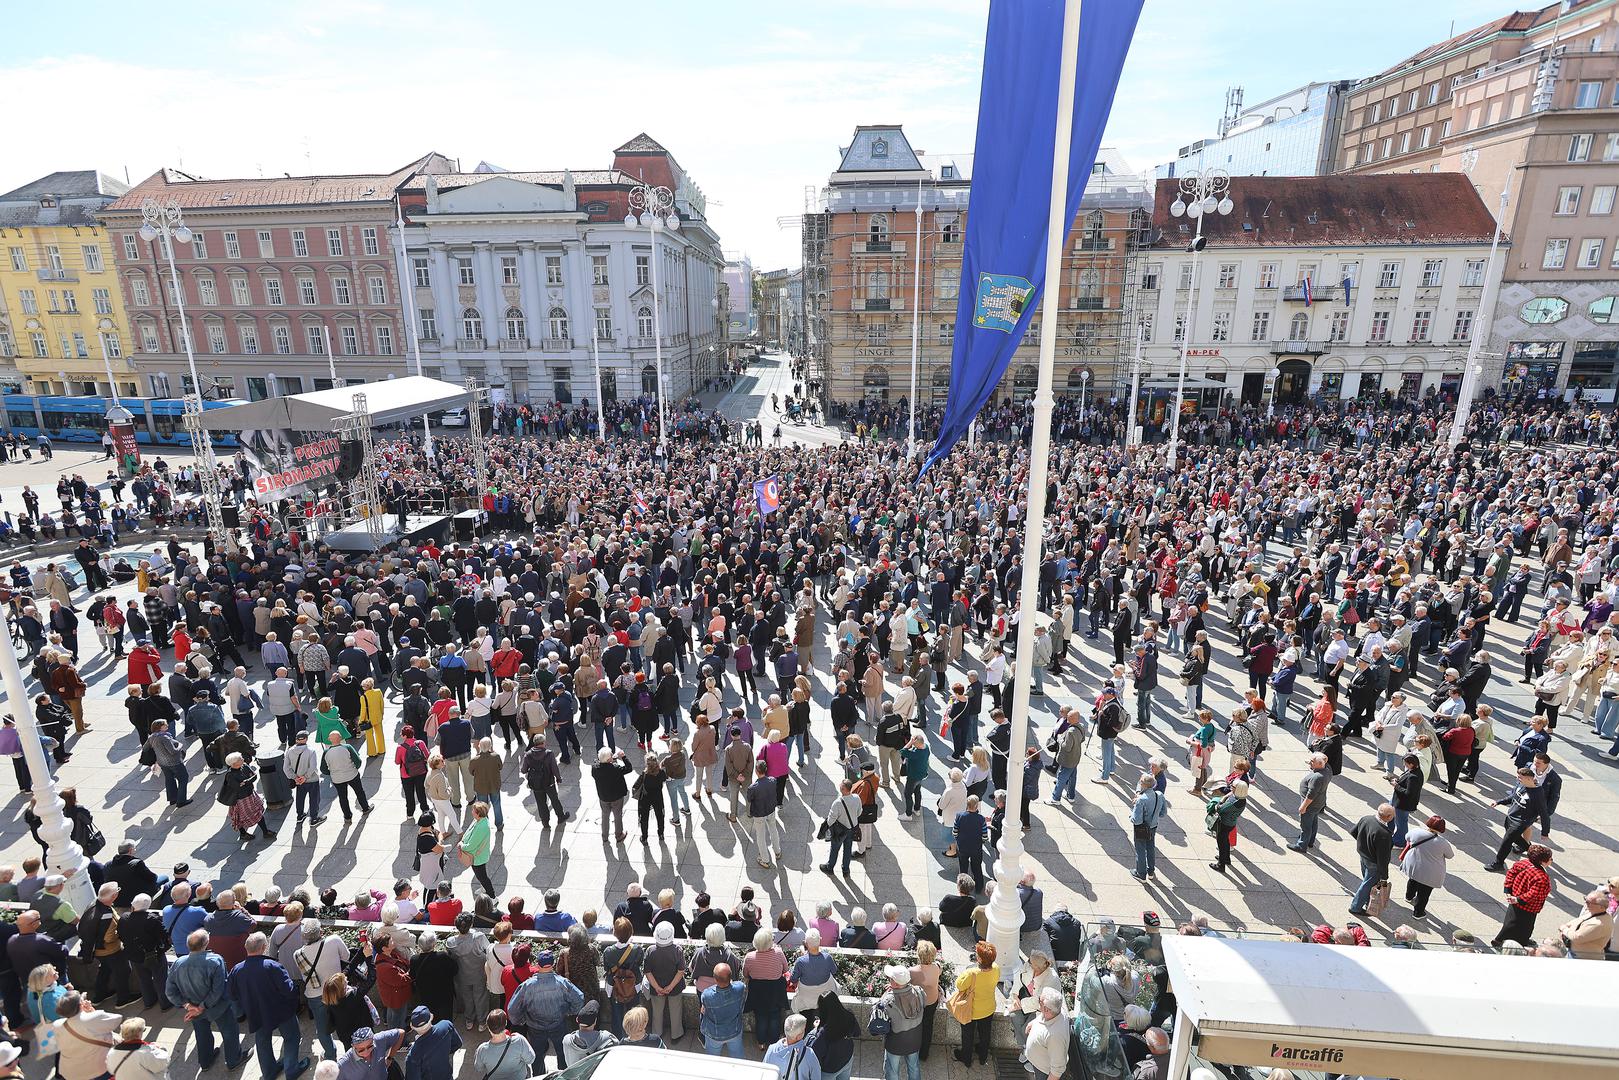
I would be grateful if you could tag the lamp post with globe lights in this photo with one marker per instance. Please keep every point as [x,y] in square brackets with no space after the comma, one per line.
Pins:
[1272,378]
[164,219]
[1202,192]
[1084,384]
[656,206]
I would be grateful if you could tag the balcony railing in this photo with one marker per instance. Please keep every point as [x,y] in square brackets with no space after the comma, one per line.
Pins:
[557,344]
[643,342]
[513,344]
[1296,293]
[58,275]
[1298,347]
[879,247]
[470,344]
[1087,303]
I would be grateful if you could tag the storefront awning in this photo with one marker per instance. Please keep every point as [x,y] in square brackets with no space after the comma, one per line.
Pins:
[1424,1015]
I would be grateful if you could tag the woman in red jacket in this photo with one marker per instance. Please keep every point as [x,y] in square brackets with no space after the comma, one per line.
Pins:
[395,990]
[1528,884]
[145,664]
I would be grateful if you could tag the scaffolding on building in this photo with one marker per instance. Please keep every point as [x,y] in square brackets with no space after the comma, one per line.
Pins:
[816,295]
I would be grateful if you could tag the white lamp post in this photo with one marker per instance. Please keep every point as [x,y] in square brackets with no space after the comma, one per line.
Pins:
[916,324]
[1271,377]
[1202,192]
[164,219]
[1084,384]
[1469,387]
[657,207]
[407,288]
[65,857]
[1130,437]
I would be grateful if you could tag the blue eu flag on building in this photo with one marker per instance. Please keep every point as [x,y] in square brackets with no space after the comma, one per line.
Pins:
[1003,261]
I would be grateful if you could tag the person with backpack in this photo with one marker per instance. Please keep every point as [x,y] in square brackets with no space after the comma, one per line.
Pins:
[411,756]
[340,763]
[539,768]
[1109,723]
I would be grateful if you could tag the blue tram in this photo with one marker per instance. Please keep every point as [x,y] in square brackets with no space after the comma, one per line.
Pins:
[158,421]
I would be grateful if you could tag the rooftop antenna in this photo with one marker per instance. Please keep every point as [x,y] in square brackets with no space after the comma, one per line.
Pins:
[1233,108]
[126,174]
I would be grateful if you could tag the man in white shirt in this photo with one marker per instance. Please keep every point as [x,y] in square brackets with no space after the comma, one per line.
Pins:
[242,701]
[83,1037]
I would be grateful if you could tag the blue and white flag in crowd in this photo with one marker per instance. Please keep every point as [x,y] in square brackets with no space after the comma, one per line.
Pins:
[1003,263]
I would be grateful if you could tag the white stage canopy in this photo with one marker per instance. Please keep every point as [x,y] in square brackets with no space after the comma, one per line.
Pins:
[388,402]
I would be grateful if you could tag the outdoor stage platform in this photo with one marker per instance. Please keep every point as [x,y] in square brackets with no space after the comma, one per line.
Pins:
[418,527]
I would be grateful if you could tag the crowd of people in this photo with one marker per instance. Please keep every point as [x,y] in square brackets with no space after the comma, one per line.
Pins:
[645,635]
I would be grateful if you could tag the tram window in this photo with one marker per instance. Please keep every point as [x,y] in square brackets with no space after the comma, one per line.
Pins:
[163,425]
[53,421]
[22,419]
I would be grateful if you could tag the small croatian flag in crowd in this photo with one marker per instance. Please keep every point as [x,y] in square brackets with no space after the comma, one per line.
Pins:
[640,503]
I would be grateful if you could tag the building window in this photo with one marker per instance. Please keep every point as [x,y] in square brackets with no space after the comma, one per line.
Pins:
[334,242]
[1339,328]
[368,240]
[1146,326]
[240,295]
[111,347]
[1590,257]
[1544,309]
[1394,107]
[38,341]
[1090,289]
[1433,93]
[1425,138]
[351,340]
[249,336]
[950,233]
[877,334]
[1568,200]
[19,260]
[1556,255]
[283,340]
[1388,147]
[1366,151]
[385,339]
[1298,328]
[1421,325]
[131,252]
[1261,328]
[1186,276]
[1464,325]
[148,337]
[1150,276]
[206,292]
[429,324]
[1472,273]
[102,298]
[30,306]
[516,325]
[258,388]
[138,292]
[471,324]
[1405,142]
[1267,276]
[1221,327]
[877,285]
[423,276]
[598,270]
[1579,147]
[1602,200]
[1433,273]
[272,292]
[463,267]
[70,302]
[1227,278]
[216,338]
[604,323]
[300,244]
[553,270]
[1180,326]
[92,258]
[508,269]
[314,340]
[643,269]
[1588,95]
[53,257]
[306,292]
[377,289]
[643,322]
[947,282]
[877,229]
[233,247]
[199,245]
[1380,327]
[947,333]
[1375,113]
[340,290]
[1389,276]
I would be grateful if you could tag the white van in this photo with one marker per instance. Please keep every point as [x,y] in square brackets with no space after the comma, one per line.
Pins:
[646,1063]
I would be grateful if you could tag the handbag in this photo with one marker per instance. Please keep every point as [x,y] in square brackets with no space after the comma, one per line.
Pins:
[1379,899]
[960,1004]
[879,1026]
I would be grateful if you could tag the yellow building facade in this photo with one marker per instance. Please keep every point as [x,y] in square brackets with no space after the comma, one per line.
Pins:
[62,321]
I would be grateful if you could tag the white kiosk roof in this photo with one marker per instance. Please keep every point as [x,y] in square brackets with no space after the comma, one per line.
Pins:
[388,401]
[1418,1014]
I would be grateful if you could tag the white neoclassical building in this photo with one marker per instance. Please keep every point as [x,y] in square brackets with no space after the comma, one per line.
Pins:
[514,273]
[1338,286]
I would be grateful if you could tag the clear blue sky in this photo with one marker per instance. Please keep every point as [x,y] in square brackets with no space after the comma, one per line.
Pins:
[753,99]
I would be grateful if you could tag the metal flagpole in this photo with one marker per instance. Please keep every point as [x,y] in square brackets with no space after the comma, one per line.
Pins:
[1005,913]
[407,289]
[1130,436]
[916,322]
[331,361]
[1464,396]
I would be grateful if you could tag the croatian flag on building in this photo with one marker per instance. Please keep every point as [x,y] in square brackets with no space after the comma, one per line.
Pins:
[1309,296]
[768,494]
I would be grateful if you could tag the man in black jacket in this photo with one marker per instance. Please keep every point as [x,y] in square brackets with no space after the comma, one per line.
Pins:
[131,874]
[1066,933]
[1373,843]
[957,910]
[608,774]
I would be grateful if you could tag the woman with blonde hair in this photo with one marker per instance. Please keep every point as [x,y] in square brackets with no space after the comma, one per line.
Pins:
[952,801]
[764,972]
[371,718]
[348,1006]
[925,975]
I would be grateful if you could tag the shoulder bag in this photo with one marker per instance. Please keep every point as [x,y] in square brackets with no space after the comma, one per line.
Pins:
[960,1004]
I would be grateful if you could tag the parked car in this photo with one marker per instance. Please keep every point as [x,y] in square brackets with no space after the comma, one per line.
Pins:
[453,418]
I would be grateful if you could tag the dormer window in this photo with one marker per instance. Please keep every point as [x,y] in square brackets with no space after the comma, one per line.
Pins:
[879,148]
[947,172]
[46,202]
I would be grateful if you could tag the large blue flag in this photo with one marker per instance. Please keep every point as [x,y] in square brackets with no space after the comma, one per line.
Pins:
[1003,264]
